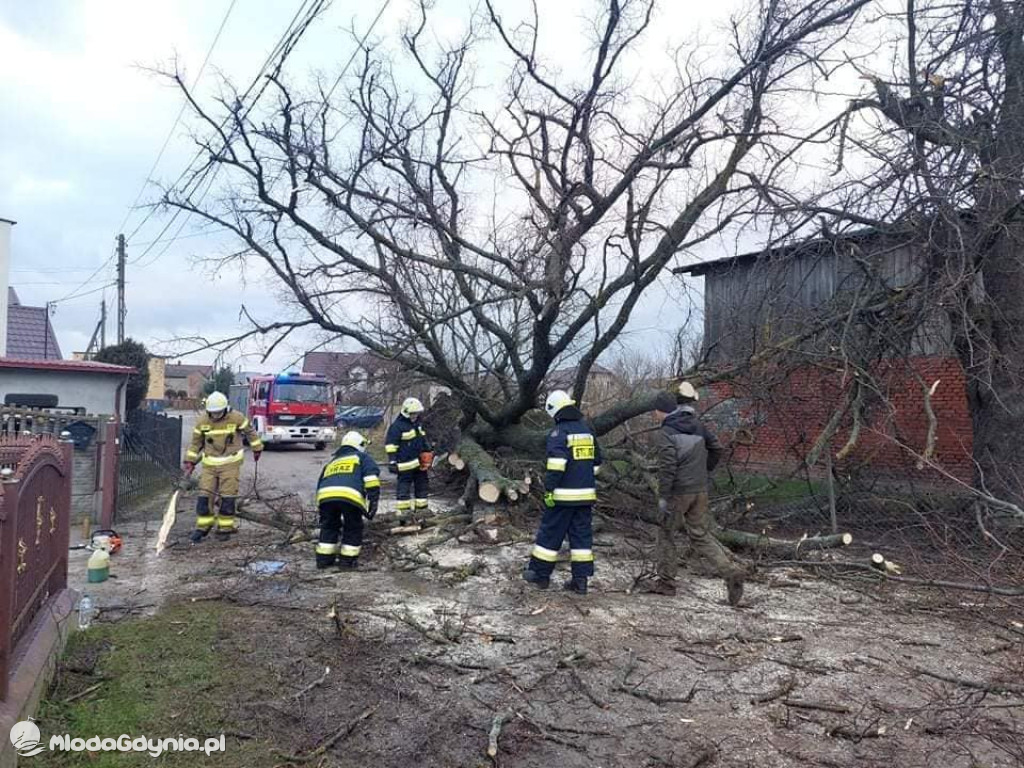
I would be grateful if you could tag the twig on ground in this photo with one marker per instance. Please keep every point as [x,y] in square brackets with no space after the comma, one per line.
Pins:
[492,739]
[333,739]
[83,694]
[820,706]
[784,689]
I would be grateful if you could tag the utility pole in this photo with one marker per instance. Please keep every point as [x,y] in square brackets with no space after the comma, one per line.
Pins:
[103,323]
[46,335]
[121,311]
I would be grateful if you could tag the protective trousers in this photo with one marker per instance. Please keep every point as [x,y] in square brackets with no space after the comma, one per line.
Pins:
[335,517]
[558,521]
[690,512]
[414,483]
[218,480]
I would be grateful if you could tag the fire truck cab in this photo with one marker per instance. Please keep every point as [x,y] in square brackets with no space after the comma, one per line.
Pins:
[290,408]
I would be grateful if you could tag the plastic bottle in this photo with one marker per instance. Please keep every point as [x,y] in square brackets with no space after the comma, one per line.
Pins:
[85,612]
[99,566]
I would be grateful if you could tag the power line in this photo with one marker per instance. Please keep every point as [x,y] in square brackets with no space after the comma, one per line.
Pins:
[74,296]
[285,51]
[177,120]
[283,44]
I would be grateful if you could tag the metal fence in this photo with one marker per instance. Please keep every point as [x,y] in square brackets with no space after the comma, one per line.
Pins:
[150,454]
[35,503]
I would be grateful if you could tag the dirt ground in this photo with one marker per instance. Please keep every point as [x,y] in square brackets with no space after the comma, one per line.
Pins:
[430,644]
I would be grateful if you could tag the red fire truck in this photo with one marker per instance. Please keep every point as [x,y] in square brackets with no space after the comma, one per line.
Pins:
[288,408]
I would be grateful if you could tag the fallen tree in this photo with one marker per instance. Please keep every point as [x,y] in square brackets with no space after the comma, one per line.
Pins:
[372,212]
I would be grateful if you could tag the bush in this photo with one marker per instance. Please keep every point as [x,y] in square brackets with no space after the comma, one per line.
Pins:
[133,354]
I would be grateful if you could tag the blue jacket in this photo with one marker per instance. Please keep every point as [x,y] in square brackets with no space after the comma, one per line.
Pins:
[350,476]
[404,443]
[573,460]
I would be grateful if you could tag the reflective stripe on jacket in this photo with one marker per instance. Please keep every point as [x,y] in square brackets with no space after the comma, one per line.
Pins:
[404,443]
[349,476]
[573,459]
[220,442]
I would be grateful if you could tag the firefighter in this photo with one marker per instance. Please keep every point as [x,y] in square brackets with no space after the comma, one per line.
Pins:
[409,457]
[217,438]
[687,453]
[570,484]
[348,490]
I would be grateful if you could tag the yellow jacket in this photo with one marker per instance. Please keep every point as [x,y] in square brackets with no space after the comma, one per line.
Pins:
[220,442]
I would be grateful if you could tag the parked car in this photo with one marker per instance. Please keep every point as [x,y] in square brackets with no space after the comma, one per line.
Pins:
[358,416]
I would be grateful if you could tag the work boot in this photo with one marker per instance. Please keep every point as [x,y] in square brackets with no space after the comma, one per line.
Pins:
[324,561]
[734,589]
[539,581]
[661,587]
[348,563]
[197,536]
[222,535]
[576,584]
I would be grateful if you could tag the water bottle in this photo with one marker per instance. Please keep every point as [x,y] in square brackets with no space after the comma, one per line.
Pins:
[85,612]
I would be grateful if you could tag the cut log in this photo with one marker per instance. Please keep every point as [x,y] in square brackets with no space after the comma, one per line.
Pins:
[785,547]
[492,485]
[456,461]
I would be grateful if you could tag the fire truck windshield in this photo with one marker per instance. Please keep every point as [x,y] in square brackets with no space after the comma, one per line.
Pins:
[301,392]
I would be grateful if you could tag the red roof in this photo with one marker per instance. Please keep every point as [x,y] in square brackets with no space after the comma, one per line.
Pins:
[76,366]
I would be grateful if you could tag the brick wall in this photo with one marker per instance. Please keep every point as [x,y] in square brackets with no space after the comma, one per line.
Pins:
[772,421]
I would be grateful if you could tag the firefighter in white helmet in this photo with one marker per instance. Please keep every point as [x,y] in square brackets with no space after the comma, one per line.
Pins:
[217,444]
[348,490]
[573,461]
[410,457]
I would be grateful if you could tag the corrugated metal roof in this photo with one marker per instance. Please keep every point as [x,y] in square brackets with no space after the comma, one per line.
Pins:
[77,366]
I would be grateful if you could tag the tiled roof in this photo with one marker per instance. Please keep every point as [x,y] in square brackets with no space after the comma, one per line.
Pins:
[184,371]
[78,366]
[30,335]
[337,365]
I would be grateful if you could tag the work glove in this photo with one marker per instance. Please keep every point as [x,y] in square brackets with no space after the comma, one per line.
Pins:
[188,468]
[549,499]
[393,468]
[256,456]
[371,513]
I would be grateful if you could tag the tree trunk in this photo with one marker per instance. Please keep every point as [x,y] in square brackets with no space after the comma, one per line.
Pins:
[491,484]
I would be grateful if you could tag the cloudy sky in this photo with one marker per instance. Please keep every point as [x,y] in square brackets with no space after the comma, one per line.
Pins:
[84,119]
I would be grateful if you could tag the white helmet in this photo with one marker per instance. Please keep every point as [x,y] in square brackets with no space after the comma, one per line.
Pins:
[216,403]
[354,440]
[411,405]
[556,401]
[687,390]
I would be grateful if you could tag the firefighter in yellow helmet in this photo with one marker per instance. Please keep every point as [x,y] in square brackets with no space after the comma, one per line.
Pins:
[217,445]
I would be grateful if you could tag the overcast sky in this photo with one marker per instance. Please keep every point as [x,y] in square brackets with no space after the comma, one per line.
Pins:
[83,122]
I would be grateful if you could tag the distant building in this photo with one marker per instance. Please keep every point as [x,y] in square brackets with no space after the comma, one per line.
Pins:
[359,378]
[157,379]
[189,379]
[602,384]
[30,334]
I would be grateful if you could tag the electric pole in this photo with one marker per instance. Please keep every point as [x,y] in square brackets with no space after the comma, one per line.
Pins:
[121,311]
[103,323]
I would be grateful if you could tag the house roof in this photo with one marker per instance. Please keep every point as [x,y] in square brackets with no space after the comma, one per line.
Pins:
[75,366]
[184,371]
[30,334]
[800,248]
[566,377]
[337,365]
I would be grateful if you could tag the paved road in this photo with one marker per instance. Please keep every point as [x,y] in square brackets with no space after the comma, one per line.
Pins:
[288,468]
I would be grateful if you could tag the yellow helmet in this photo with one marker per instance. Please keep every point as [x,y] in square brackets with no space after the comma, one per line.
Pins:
[556,401]
[354,440]
[216,403]
[411,405]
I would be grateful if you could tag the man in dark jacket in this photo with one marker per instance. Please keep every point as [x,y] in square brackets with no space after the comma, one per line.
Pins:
[687,452]
[573,461]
